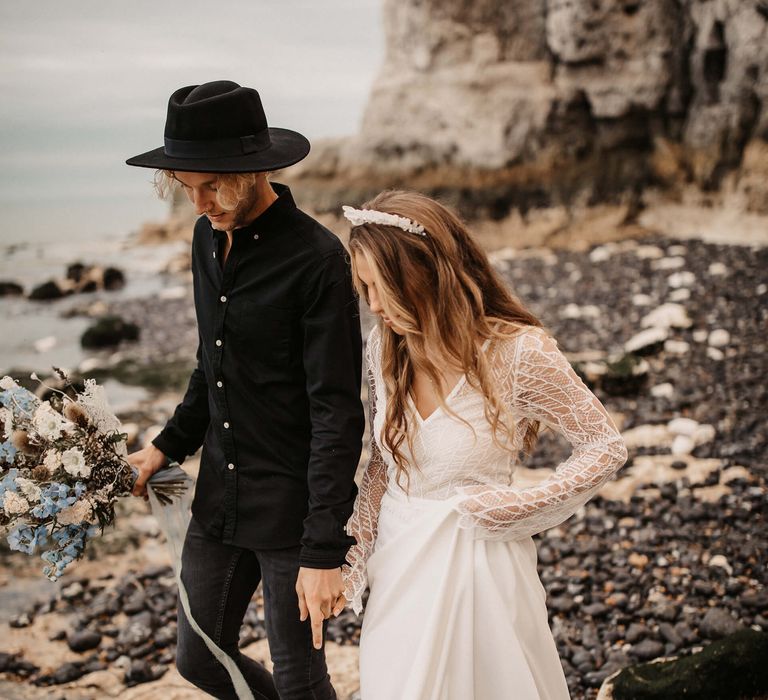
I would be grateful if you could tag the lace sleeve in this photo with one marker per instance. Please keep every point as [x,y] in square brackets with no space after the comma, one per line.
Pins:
[363,524]
[544,387]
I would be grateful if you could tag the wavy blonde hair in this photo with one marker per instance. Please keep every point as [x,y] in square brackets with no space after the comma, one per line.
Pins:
[447,299]
[231,188]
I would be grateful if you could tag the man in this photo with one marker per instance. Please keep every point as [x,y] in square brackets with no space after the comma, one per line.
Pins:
[274,399]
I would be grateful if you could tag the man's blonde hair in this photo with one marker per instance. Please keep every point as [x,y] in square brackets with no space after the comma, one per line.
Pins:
[231,188]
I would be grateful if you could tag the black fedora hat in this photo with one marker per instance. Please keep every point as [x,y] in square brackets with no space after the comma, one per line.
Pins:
[220,127]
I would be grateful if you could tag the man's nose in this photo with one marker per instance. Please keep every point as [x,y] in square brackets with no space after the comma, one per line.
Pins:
[201,201]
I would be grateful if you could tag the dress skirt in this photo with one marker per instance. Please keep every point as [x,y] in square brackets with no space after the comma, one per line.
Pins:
[452,617]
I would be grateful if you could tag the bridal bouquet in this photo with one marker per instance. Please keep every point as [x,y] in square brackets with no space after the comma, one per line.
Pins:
[62,468]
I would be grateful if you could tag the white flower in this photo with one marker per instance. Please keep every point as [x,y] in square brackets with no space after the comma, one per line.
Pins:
[7,383]
[6,420]
[48,423]
[14,504]
[74,463]
[358,217]
[29,488]
[75,514]
[52,461]
[93,400]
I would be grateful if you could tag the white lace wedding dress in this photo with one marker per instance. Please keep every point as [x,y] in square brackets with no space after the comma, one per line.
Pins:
[456,609]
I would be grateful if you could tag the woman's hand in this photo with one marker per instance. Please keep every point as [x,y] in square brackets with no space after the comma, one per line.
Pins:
[147,461]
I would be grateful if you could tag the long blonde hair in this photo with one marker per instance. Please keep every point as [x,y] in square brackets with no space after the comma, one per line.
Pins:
[446,297]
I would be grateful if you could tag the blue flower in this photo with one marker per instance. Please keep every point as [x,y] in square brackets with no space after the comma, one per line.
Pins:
[7,452]
[19,400]
[25,539]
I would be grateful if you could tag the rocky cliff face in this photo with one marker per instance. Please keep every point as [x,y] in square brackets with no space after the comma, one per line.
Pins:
[529,103]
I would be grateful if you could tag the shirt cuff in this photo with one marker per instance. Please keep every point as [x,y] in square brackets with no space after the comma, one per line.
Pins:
[311,558]
[171,453]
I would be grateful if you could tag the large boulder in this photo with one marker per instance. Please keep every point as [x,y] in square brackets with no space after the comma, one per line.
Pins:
[108,332]
[733,667]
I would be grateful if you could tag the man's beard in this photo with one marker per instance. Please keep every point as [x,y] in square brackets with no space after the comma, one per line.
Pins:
[240,217]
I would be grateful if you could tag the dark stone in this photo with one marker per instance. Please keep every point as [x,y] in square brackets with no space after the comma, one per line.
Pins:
[636,632]
[22,620]
[10,289]
[562,604]
[666,612]
[48,291]
[137,630]
[109,331]
[647,649]
[719,623]
[596,610]
[83,640]
[75,271]
[757,600]
[141,672]
[66,674]
[670,634]
[113,279]
[733,667]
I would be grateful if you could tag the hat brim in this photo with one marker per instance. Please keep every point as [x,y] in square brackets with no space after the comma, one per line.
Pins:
[287,147]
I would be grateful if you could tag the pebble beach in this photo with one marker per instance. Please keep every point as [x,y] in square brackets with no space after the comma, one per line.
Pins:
[672,555]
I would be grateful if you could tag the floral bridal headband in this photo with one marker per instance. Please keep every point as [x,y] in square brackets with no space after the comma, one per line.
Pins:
[358,217]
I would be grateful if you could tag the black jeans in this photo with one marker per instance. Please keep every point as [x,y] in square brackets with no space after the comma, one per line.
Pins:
[220,580]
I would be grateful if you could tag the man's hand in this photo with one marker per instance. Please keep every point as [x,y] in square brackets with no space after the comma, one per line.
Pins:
[321,594]
[147,461]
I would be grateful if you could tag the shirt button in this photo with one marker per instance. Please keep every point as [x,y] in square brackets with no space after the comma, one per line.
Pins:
[226,425]
[255,236]
[218,343]
[219,384]
[230,466]
[214,253]
[222,299]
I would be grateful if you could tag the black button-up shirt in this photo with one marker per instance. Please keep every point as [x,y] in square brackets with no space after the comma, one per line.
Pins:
[275,397]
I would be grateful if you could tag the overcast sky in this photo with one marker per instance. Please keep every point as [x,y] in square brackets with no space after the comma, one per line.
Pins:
[85,83]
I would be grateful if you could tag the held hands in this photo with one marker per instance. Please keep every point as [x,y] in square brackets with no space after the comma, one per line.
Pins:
[147,461]
[321,594]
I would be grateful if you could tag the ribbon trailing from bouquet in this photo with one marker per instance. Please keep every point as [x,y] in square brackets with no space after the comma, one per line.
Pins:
[174,520]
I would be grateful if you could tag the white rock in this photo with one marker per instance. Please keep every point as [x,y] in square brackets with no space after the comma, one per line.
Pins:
[715,354]
[646,436]
[761,289]
[682,294]
[681,279]
[682,445]
[643,339]
[576,311]
[663,391]
[89,364]
[642,300]
[677,250]
[719,338]
[601,253]
[703,434]
[700,336]
[649,252]
[667,316]
[676,347]
[668,263]
[683,426]
[721,562]
[173,293]
[45,344]
[717,268]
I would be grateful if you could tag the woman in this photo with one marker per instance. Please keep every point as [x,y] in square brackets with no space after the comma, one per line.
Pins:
[461,377]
